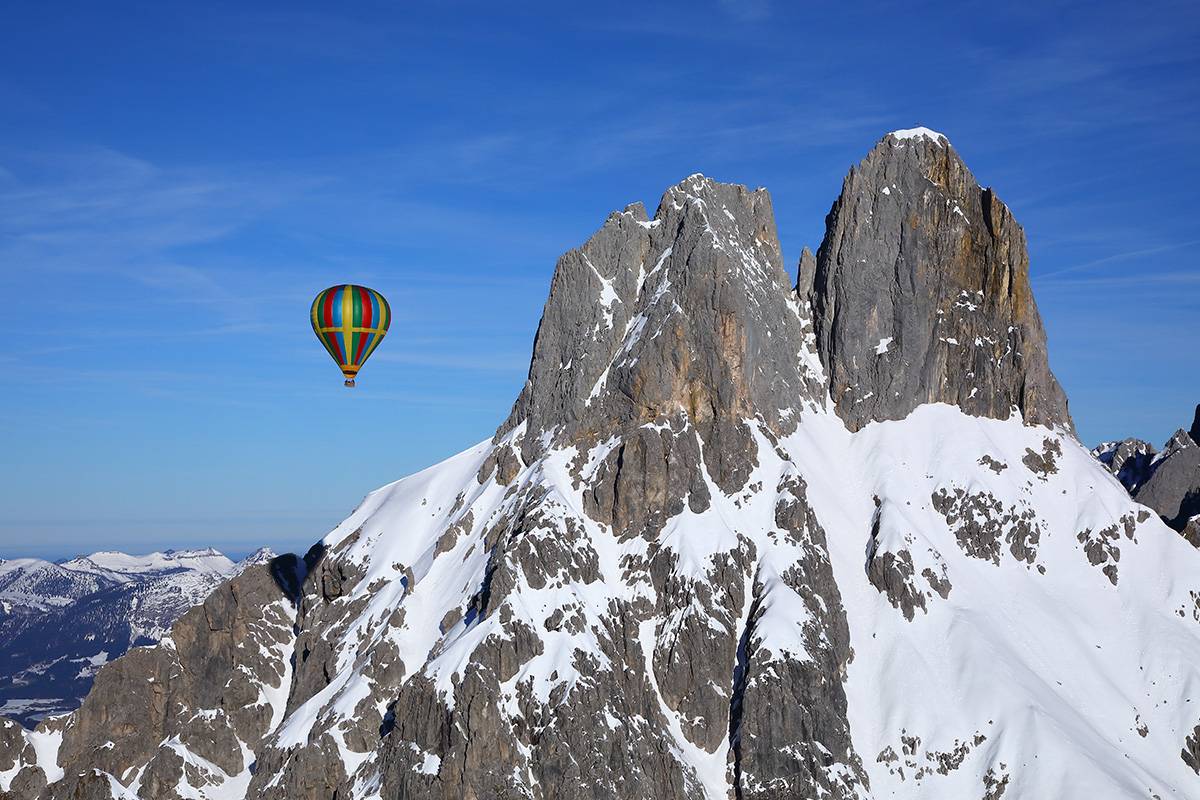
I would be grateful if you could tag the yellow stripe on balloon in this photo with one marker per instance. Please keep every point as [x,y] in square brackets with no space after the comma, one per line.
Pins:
[347,326]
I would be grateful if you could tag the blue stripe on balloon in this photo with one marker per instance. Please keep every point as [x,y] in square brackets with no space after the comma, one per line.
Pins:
[337,307]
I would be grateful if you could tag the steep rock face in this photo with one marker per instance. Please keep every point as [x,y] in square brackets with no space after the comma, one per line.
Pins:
[921,293]
[688,312]
[670,353]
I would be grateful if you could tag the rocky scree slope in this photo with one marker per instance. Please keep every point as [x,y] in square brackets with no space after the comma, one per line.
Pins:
[682,568]
[1166,481]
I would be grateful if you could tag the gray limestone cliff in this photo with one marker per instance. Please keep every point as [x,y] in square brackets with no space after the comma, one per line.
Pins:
[674,345]
[1173,487]
[688,312]
[921,293]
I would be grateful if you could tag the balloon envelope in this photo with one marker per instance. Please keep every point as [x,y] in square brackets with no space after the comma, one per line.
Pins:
[350,321]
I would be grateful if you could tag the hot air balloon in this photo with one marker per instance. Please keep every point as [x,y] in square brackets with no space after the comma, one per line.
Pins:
[350,321]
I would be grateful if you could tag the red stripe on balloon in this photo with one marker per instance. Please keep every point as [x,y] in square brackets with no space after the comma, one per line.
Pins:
[328,311]
[337,346]
[366,306]
[366,323]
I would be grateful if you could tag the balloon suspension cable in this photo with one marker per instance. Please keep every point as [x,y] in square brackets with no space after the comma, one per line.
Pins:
[350,383]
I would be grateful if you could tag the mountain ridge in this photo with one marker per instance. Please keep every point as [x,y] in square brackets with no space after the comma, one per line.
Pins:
[60,621]
[681,568]
[1167,481]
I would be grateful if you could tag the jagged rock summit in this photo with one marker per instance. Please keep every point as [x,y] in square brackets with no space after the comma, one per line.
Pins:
[690,565]
[921,293]
[1167,481]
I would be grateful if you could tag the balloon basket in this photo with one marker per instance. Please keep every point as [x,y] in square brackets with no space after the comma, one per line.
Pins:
[350,383]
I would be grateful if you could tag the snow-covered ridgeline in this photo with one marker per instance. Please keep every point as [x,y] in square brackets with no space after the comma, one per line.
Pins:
[952,685]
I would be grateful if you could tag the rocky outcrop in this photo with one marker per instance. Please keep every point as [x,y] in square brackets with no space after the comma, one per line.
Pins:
[60,622]
[17,757]
[192,710]
[1129,460]
[688,313]
[670,351]
[921,293]
[1166,481]
[1173,487]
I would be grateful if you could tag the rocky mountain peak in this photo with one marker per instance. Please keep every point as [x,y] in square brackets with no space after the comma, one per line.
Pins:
[921,293]
[1130,460]
[919,132]
[1166,480]
[674,572]
[683,319]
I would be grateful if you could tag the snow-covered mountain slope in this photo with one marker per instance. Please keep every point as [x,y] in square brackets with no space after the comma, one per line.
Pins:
[39,585]
[682,569]
[1011,625]
[61,622]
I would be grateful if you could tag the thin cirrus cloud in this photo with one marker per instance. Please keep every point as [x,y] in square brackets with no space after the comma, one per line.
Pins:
[1056,276]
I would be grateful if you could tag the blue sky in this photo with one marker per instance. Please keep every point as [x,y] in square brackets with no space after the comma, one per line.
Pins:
[177,182]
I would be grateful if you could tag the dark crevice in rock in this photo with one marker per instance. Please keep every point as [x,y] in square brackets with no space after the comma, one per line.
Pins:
[389,720]
[289,573]
[741,674]
[481,602]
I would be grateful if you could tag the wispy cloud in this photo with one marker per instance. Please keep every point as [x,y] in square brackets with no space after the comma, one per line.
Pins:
[1153,281]
[1128,255]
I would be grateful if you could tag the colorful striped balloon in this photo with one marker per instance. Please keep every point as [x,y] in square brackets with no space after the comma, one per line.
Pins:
[350,321]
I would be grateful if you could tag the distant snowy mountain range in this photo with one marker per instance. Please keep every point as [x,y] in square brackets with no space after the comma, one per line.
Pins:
[59,622]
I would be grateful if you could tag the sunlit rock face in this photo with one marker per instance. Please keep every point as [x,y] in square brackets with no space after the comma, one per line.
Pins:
[921,293]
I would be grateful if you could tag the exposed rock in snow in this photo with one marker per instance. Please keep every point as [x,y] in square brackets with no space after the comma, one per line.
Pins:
[1166,481]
